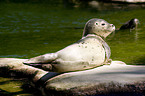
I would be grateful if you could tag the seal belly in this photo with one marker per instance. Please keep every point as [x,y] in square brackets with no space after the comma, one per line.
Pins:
[86,50]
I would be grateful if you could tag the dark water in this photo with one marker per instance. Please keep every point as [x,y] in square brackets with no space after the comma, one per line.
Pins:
[31,29]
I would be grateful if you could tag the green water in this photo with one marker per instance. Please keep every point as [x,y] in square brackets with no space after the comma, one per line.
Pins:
[31,29]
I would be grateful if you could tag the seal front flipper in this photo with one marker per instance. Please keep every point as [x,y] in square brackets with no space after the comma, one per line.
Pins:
[42,59]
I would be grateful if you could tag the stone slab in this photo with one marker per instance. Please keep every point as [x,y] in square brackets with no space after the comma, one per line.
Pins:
[103,79]
[114,74]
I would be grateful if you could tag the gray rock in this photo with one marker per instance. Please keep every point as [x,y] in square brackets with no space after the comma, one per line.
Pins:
[117,77]
[116,72]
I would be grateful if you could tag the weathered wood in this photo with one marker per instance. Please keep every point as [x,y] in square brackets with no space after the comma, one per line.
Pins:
[88,82]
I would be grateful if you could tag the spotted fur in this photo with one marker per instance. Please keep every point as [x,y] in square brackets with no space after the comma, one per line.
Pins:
[90,51]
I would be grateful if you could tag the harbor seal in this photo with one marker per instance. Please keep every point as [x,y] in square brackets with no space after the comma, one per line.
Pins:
[89,52]
[131,24]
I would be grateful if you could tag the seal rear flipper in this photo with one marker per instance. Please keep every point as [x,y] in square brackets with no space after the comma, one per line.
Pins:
[42,59]
[47,67]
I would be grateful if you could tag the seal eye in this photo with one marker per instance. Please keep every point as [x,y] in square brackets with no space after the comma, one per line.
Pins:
[96,23]
[103,24]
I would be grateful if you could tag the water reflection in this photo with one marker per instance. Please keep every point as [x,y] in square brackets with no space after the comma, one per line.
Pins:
[100,5]
[11,56]
[42,27]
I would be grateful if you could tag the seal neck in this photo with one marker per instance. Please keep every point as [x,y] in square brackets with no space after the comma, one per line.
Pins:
[104,44]
[93,35]
[90,31]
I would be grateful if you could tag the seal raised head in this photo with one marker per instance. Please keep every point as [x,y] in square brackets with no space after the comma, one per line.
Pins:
[131,24]
[98,27]
[90,51]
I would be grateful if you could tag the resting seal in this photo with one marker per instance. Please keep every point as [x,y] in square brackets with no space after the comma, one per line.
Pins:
[90,51]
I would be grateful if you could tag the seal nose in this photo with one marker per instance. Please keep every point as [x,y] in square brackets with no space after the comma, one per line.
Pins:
[136,21]
[112,26]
